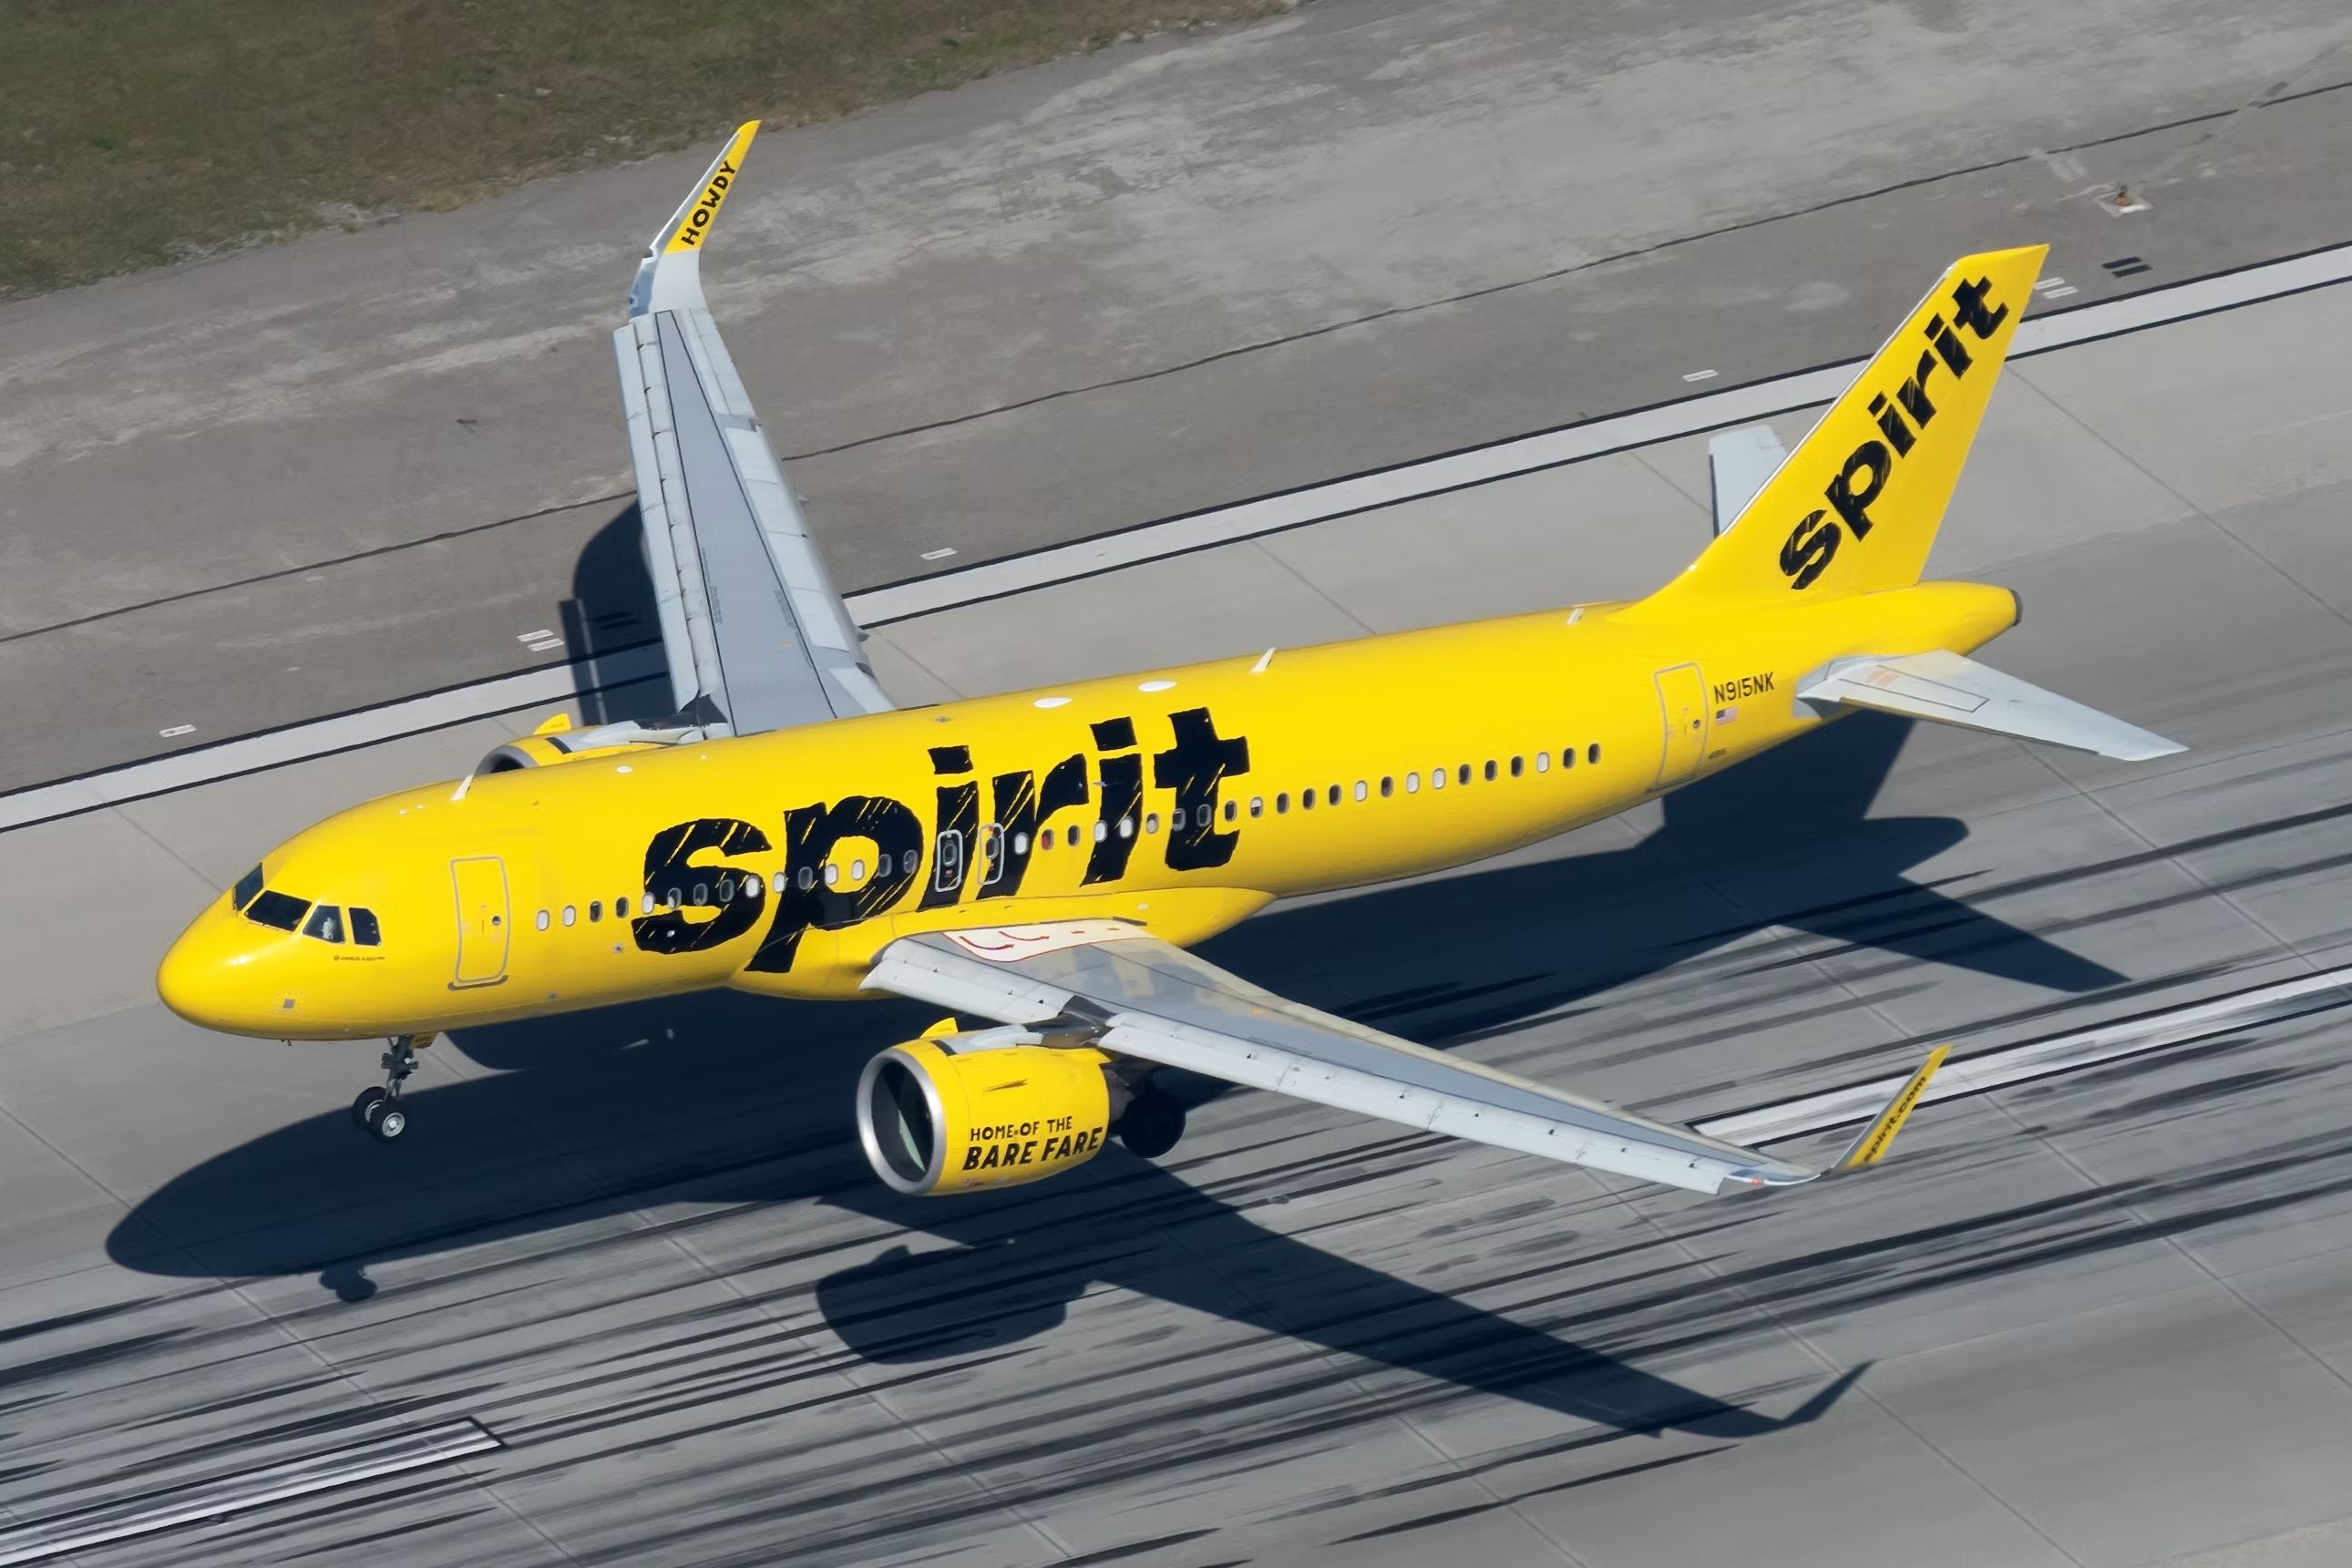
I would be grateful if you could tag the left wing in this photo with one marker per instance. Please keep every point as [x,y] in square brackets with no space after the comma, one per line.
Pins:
[757,637]
[1117,987]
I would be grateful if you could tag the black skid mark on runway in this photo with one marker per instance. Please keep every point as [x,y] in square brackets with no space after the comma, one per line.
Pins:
[131,1347]
[1135,1549]
[1448,1516]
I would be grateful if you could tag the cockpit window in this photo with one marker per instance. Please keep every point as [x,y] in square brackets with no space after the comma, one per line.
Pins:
[247,888]
[365,930]
[326,922]
[276,910]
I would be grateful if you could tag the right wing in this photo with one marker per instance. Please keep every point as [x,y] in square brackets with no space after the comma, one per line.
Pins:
[1121,990]
[756,636]
[1950,689]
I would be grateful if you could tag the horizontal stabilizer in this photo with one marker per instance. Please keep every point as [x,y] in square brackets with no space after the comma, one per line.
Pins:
[1739,462]
[1952,690]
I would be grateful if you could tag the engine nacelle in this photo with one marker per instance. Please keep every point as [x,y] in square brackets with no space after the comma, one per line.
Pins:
[554,743]
[935,1119]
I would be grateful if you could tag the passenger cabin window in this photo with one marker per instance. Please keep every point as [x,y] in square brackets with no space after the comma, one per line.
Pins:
[1413,783]
[1543,761]
[1232,809]
[1490,770]
[595,910]
[571,915]
[1437,777]
[280,911]
[1592,752]
[247,889]
[365,930]
[1335,792]
[948,860]
[1465,773]
[1568,756]
[1151,822]
[1518,767]
[542,920]
[326,922]
[1362,787]
[1282,803]
[991,850]
[750,884]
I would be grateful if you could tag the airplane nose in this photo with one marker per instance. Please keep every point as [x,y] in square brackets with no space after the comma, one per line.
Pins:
[196,979]
[181,979]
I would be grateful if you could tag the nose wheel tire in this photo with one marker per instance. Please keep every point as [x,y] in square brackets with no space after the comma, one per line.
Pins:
[1152,1125]
[378,1111]
[379,1115]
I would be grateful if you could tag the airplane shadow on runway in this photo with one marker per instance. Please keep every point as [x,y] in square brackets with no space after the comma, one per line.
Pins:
[610,614]
[725,1099]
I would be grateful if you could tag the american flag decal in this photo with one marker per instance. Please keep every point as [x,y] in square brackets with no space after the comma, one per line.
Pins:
[1725,714]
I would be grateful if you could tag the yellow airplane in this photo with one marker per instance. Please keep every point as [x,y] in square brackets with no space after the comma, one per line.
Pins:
[1039,861]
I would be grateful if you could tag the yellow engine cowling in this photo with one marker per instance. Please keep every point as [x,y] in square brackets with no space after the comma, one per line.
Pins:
[555,742]
[936,1119]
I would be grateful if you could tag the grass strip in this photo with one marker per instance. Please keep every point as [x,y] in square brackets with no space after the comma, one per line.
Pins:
[139,133]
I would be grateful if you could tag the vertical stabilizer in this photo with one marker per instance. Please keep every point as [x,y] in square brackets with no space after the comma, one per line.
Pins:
[1856,508]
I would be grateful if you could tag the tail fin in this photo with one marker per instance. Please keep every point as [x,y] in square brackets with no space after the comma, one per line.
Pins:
[1856,508]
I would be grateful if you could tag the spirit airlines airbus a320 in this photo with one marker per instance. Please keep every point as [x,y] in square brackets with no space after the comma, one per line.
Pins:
[1037,863]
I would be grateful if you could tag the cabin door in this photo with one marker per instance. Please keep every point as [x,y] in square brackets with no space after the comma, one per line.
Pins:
[484,925]
[1682,708]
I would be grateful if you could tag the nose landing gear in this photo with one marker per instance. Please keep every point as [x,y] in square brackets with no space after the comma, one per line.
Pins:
[378,1111]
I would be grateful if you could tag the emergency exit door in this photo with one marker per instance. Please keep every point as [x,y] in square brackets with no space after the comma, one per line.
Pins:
[483,924]
[1682,708]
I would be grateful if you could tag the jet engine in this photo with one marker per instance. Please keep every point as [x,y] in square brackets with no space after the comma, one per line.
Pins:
[556,742]
[939,1118]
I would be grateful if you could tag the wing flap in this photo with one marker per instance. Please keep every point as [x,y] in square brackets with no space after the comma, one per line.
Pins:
[1950,689]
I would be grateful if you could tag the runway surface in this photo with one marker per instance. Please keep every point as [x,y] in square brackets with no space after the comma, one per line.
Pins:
[629,1276]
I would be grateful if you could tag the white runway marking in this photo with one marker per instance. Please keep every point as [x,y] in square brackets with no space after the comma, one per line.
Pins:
[2033,1059]
[1700,376]
[84,1529]
[177,729]
[1342,497]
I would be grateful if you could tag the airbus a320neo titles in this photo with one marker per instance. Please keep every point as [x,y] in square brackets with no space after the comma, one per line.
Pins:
[1039,862]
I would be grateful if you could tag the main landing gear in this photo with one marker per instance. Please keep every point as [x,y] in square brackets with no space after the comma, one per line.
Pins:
[378,1111]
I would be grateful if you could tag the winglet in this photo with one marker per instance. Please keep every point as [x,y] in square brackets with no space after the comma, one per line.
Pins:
[1879,1137]
[670,275]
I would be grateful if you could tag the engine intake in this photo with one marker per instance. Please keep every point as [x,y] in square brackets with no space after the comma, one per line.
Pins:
[935,1119]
